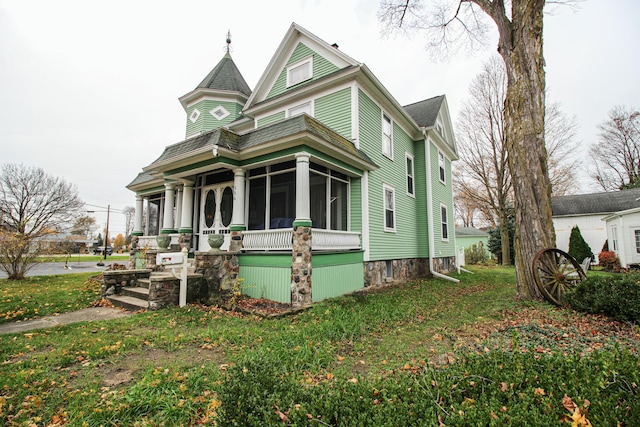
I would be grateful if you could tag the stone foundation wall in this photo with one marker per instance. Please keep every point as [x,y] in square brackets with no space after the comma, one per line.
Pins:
[164,292]
[113,281]
[219,272]
[375,272]
[444,265]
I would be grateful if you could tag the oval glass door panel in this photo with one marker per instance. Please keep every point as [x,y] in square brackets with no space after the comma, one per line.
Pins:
[226,206]
[210,208]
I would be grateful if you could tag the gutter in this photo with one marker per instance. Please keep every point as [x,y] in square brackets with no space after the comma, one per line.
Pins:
[430,213]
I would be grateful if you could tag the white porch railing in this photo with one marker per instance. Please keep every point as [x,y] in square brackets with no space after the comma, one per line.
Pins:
[267,240]
[280,239]
[333,240]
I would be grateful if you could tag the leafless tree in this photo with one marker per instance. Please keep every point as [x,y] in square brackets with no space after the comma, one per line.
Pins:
[84,226]
[482,147]
[562,146]
[519,26]
[617,152]
[32,206]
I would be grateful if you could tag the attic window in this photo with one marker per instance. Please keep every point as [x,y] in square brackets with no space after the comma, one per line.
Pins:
[300,71]
[440,129]
[194,115]
[219,112]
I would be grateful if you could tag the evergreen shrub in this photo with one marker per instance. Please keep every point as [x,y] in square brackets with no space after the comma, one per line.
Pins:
[578,247]
[615,296]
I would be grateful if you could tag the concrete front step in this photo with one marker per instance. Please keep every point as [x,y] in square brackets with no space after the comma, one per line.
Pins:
[136,292]
[128,302]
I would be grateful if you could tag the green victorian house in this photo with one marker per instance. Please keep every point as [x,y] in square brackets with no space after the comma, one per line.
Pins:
[318,179]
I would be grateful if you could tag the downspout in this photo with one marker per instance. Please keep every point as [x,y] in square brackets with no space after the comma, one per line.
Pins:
[430,213]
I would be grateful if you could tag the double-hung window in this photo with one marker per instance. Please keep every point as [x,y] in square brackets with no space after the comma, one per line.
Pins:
[410,181]
[444,221]
[387,138]
[441,168]
[389,209]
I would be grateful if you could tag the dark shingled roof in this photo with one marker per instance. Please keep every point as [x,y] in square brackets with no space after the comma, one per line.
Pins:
[225,76]
[425,112]
[596,203]
[470,231]
[228,139]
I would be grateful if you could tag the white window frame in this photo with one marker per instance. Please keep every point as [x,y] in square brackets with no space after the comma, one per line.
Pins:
[442,167]
[614,238]
[300,109]
[636,235]
[221,109]
[387,188]
[444,222]
[411,177]
[307,63]
[387,139]
[195,114]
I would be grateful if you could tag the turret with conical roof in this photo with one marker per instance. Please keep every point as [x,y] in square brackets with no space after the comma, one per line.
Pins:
[218,99]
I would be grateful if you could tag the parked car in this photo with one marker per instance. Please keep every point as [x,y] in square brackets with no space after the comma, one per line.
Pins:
[99,249]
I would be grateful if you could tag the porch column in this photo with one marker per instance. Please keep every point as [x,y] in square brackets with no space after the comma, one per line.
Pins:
[178,207]
[137,220]
[186,220]
[301,283]
[237,225]
[169,198]
[303,210]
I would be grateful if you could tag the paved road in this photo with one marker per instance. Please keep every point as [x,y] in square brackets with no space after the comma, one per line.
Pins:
[49,268]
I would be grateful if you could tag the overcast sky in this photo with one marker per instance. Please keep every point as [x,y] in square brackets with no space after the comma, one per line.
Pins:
[89,90]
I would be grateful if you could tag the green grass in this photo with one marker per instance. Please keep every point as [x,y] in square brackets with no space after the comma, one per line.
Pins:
[39,296]
[404,355]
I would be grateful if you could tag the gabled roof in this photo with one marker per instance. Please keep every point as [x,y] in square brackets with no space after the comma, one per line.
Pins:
[425,113]
[595,203]
[225,76]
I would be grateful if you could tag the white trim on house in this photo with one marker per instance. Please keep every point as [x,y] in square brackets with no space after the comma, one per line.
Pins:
[410,177]
[387,189]
[305,107]
[364,188]
[444,222]
[301,70]
[224,113]
[387,145]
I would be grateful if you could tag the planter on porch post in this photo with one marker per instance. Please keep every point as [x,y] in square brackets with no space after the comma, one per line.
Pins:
[301,285]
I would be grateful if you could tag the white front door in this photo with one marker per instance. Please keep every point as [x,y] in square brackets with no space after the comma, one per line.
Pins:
[216,210]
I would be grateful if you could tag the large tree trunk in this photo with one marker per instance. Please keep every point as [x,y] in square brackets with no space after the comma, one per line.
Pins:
[520,46]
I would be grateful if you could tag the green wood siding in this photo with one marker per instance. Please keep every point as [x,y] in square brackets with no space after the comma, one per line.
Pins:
[206,121]
[442,194]
[336,274]
[355,205]
[404,242]
[422,217]
[334,110]
[321,67]
[271,119]
[266,276]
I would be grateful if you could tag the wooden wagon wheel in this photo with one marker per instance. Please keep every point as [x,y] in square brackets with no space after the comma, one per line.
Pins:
[555,272]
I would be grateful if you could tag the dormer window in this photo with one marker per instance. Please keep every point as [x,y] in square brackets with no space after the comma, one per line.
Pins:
[300,71]
[219,112]
[194,115]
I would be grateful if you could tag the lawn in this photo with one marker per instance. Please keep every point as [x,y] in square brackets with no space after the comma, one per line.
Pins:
[430,352]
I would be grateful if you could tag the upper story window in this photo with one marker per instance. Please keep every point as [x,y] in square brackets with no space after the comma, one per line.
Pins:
[300,71]
[389,209]
[219,112]
[387,137]
[300,109]
[440,128]
[410,181]
[441,168]
[444,220]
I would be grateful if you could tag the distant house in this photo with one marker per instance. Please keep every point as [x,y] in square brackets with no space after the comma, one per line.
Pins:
[595,215]
[317,174]
[467,237]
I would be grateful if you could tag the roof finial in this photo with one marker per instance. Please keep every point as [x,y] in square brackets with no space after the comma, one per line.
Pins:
[228,47]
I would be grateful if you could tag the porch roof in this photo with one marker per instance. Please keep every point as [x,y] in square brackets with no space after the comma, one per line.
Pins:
[237,143]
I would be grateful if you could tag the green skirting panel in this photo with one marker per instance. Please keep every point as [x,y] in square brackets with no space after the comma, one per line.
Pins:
[336,274]
[266,275]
